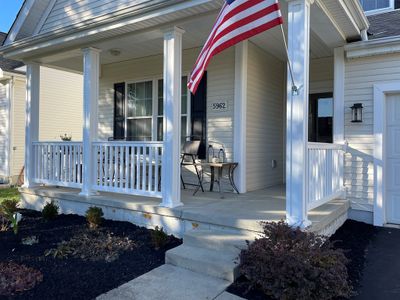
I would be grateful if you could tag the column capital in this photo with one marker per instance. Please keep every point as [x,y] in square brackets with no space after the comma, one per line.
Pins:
[174,31]
[90,49]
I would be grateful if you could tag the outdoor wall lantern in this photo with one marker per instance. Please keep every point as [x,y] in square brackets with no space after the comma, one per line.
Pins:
[356,113]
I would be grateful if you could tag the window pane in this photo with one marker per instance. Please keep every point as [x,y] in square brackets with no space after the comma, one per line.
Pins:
[160,128]
[184,90]
[183,129]
[139,129]
[140,99]
[375,4]
[160,97]
[325,107]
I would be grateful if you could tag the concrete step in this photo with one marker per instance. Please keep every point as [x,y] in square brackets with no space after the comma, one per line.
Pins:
[217,240]
[218,264]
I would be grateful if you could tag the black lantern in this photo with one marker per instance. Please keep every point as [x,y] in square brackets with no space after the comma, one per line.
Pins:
[356,113]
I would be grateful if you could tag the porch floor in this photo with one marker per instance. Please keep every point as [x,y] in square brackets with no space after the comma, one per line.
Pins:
[238,212]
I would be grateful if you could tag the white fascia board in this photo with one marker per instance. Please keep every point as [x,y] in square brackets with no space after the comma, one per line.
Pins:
[357,13]
[331,18]
[16,27]
[58,37]
[381,46]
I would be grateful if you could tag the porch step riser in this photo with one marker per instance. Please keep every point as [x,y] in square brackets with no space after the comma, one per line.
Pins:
[231,246]
[220,265]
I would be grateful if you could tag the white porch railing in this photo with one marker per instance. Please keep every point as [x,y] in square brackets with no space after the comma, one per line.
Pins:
[325,173]
[128,167]
[58,163]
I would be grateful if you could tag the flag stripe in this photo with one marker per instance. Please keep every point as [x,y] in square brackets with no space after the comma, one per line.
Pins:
[240,23]
[238,20]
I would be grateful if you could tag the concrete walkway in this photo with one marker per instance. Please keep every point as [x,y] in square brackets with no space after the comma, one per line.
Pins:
[171,283]
[381,278]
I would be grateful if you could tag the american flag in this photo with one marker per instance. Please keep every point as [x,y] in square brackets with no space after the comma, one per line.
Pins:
[238,20]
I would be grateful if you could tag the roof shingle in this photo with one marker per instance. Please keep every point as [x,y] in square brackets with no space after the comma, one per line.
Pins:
[384,25]
[8,65]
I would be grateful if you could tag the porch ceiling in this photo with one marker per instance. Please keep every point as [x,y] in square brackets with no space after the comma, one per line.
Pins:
[325,35]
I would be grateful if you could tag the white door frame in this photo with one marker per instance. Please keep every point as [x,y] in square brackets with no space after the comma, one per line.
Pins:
[380,92]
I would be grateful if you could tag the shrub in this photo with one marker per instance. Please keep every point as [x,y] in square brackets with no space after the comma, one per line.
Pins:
[50,211]
[159,238]
[94,216]
[9,214]
[288,263]
[16,278]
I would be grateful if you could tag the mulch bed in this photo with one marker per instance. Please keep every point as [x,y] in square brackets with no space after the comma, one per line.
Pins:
[83,274]
[353,237]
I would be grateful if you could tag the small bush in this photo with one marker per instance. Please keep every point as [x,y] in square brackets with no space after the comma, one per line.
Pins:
[94,216]
[288,263]
[159,238]
[50,211]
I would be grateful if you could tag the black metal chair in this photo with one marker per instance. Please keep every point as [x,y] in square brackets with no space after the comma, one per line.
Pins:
[190,152]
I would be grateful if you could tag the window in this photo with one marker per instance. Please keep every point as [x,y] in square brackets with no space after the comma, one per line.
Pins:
[184,110]
[144,107]
[320,123]
[371,5]
[139,111]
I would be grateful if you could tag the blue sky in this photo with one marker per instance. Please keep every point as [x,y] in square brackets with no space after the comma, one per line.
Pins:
[8,12]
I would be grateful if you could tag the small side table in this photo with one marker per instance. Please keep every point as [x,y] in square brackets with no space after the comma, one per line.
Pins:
[219,167]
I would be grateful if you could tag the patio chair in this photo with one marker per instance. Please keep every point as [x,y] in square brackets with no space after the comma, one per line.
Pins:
[190,152]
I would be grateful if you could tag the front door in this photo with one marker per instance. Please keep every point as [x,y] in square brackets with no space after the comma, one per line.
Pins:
[392,161]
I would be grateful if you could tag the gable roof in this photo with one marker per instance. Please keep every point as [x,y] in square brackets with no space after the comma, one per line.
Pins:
[8,65]
[384,25]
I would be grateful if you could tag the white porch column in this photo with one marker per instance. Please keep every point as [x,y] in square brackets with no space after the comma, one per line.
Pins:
[297,112]
[31,119]
[338,96]
[171,170]
[91,71]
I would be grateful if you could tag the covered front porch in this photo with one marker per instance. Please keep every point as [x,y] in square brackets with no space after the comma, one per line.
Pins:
[137,111]
[204,211]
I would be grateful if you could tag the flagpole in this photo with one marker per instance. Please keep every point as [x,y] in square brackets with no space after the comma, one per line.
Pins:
[294,87]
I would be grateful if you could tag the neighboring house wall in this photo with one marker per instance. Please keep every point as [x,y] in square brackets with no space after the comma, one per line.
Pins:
[4,128]
[220,86]
[61,107]
[361,75]
[265,119]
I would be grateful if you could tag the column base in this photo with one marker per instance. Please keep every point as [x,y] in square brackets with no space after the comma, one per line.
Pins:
[88,194]
[296,222]
[171,205]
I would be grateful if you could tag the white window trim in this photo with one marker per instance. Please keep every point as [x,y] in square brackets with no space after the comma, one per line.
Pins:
[154,117]
[381,10]
[380,92]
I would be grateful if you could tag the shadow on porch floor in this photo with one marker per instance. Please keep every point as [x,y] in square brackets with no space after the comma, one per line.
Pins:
[237,212]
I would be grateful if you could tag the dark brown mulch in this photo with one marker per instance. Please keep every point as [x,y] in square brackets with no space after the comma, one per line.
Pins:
[76,276]
[353,237]
[15,278]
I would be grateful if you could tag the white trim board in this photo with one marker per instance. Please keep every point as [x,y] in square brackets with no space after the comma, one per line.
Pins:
[380,92]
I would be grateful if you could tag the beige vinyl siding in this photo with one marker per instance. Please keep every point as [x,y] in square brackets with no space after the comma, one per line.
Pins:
[220,86]
[71,12]
[61,107]
[361,74]
[4,128]
[321,75]
[265,119]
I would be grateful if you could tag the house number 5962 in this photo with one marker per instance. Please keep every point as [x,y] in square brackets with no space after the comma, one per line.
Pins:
[219,106]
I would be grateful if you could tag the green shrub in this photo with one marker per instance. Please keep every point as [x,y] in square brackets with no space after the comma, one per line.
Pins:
[50,211]
[9,215]
[159,238]
[288,263]
[94,216]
